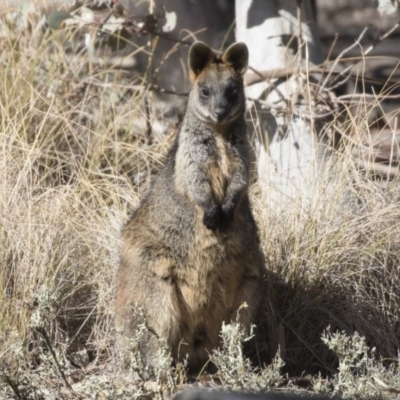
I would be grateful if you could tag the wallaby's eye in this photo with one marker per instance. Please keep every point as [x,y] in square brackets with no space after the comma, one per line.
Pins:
[204,92]
[232,93]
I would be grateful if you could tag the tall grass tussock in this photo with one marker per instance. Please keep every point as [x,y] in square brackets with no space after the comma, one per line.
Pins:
[75,160]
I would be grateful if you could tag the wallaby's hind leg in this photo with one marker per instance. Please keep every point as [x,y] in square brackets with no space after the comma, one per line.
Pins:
[156,308]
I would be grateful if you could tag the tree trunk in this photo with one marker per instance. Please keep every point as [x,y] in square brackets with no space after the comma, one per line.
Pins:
[291,154]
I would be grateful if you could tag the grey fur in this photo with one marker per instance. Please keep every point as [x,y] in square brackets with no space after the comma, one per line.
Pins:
[191,255]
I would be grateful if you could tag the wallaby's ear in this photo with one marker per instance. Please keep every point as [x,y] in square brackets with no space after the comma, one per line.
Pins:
[237,56]
[200,55]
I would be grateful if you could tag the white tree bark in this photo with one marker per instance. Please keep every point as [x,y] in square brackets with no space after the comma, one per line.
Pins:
[291,157]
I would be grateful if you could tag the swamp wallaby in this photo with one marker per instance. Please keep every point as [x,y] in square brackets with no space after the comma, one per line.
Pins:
[191,253]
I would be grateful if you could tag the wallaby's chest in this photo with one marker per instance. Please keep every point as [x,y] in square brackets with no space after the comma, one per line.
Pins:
[221,166]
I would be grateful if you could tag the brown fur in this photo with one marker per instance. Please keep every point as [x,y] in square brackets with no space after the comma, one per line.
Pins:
[191,254]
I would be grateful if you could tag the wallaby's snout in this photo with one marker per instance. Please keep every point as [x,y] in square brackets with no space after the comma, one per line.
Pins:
[219,110]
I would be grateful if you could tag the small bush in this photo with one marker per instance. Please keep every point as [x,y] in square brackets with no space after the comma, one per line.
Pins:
[360,374]
[235,371]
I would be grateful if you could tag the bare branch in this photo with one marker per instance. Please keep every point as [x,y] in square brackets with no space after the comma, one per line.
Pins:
[170,38]
[367,96]
[340,56]
[366,52]
[138,88]
[377,167]
[342,82]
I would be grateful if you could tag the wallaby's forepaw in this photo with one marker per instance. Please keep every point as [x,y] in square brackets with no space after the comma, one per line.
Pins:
[227,213]
[217,217]
[211,218]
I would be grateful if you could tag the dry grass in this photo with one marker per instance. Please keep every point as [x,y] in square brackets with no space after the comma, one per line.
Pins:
[334,264]
[74,160]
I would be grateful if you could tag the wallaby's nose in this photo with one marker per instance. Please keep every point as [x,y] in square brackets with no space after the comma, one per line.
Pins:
[219,112]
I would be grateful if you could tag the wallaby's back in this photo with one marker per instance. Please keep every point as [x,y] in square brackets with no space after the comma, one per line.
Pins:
[191,254]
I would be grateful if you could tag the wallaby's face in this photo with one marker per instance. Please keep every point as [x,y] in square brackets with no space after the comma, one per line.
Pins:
[217,96]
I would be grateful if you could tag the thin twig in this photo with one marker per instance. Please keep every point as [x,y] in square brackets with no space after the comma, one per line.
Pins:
[148,133]
[276,73]
[13,386]
[299,32]
[377,167]
[328,57]
[46,338]
[140,313]
[258,77]
[367,95]
[167,37]
[156,88]
[392,144]
[107,17]
[149,79]
[369,49]
[383,37]
[342,82]
[340,56]
[139,88]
